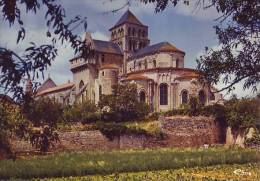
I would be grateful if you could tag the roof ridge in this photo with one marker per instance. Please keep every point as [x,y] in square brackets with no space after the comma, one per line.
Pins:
[125,18]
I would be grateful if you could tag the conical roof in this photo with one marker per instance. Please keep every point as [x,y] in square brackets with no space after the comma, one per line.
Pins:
[127,17]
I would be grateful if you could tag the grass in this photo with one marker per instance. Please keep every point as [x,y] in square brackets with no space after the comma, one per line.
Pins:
[91,163]
[245,172]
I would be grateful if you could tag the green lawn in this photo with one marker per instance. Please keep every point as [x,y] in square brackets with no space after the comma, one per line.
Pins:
[245,172]
[92,163]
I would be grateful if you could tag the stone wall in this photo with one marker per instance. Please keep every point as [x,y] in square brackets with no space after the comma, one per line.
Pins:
[179,132]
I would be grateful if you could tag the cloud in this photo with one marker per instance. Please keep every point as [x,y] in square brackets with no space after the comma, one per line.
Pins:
[99,36]
[196,11]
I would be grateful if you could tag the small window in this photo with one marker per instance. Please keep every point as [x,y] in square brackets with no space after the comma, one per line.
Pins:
[184,97]
[145,64]
[100,91]
[177,63]
[163,94]
[154,63]
[129,31]
[139,33]
[81,84]
[102,58]
[202,97]
[133,31]
[103,73]
[139,65]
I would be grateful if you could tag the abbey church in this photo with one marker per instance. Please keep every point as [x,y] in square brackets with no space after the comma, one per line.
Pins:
[157,70]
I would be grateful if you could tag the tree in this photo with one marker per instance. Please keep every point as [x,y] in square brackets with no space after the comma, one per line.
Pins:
[238,57]
[123,104]
[36,59]
[43,114]
[15,68]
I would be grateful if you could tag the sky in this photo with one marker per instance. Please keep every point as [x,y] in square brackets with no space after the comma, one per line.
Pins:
[188,28]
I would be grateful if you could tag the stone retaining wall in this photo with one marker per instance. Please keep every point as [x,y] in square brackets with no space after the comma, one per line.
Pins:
[179,132]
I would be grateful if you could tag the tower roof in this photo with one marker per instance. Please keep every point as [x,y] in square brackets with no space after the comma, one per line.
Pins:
[159,47]
[127,17]
[49,83]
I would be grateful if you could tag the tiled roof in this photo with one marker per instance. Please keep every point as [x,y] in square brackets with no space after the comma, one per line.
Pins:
[49,83]
[127,17]
[107,47]
[137,77]
[159,47]
[188,75]
[56,89]
[109,66]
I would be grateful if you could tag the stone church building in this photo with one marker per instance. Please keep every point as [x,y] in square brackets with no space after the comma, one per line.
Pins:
[157,70]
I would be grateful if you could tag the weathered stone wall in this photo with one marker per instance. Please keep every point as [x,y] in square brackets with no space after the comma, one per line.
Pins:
[179,132]
[187,131]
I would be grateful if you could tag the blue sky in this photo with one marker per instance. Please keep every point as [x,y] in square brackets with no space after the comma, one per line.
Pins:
[186,27]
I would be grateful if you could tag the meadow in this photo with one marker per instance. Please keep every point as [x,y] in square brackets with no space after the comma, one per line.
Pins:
[244,172]
[93,163]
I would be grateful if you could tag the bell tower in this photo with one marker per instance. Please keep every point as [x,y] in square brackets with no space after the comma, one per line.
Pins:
[130,34]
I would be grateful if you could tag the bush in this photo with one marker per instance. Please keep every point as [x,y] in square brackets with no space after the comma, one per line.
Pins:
[85,112]
[114,130]
[44,115]
[123,104]
[242,114]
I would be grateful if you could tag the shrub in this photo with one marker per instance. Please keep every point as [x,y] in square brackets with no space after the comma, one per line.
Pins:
[85,112]
[43,114]
[242,113]
[123,104]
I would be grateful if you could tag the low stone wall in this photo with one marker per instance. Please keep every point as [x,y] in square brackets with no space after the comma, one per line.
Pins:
[179,132]
[184,131]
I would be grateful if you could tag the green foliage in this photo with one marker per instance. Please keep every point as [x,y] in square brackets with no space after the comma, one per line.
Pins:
[43,114]
[115,130]
[123,104]
[85,112]
[246,172]
[89,163]
[242,113]
[11,123]
[255,140]
[238,114]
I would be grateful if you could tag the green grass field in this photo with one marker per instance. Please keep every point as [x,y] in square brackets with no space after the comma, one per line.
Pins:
[244,172]
[92,163]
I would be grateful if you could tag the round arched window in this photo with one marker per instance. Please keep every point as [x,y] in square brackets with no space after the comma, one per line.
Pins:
[202,97]
[163,94]
[81,84]
[184,97]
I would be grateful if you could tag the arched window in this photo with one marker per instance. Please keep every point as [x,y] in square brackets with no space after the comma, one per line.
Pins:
[177,63]
[134,46]
[129,31]
[133,31]
[81,84]
[202,97]
[142,96]
[130,45]
[184,97]
[139,33]
[143,33]
[145,64]
[139,66]
[100,91]
[154,63]
[163,94]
